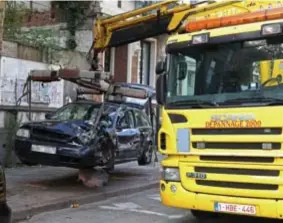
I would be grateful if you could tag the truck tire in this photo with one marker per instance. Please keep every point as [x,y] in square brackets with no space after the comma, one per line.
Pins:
[203,215]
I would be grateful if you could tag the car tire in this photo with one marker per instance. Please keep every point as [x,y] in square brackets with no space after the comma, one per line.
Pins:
[146,156]
[27,163]
[110,166]
[203,215]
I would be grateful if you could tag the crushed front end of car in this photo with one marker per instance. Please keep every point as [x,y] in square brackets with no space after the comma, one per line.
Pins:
[73,143]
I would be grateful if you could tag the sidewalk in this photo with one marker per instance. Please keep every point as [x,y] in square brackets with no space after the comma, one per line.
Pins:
[32,190]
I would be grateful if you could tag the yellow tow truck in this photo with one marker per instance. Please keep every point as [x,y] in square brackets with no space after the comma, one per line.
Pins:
[221,93]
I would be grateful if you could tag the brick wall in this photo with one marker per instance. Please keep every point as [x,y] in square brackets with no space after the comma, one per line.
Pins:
[41,19]
[121,56]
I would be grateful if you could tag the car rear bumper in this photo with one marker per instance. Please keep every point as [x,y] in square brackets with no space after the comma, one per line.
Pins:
[67,158]
[182,198]
[5,213]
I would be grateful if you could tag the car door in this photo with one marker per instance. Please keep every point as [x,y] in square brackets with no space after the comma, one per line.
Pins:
[127,137]
[143,125]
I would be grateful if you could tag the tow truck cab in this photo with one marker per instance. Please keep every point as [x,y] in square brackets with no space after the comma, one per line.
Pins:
[222,116]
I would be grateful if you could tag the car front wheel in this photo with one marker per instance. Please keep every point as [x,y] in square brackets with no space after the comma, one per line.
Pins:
[146,155]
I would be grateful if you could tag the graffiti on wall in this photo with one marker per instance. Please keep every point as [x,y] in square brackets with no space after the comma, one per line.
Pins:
[14,73]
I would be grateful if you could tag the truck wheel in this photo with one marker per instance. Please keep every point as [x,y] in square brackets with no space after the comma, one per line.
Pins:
[203,215]
[146,156]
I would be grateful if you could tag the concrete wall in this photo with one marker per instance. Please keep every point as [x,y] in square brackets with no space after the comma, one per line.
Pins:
[110,7]
[13,74]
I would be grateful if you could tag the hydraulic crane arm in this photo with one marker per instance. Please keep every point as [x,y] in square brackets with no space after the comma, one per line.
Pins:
[161,18]
[166,17]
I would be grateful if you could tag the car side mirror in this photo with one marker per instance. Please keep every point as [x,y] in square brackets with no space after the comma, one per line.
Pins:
[160,67]
[161,89]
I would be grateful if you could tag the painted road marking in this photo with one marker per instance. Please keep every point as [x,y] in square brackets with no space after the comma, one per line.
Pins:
[154,197]
[132,207]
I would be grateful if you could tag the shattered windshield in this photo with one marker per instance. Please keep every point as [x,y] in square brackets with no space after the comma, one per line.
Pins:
[80,111]
[220,73]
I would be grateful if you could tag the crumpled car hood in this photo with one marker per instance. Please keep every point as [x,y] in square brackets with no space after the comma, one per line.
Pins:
[71,128]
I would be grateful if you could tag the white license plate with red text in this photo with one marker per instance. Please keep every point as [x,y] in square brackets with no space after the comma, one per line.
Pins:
[235,208]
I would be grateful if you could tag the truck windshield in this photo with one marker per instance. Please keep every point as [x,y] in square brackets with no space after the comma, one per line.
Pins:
[221,73]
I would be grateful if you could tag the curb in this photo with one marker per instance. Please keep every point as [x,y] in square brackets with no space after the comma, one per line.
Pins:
[62,204]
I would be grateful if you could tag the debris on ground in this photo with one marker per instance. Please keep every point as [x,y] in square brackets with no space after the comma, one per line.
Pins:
[75,205]
[93,178]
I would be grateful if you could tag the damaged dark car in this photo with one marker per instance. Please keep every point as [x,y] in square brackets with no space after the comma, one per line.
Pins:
[68,137]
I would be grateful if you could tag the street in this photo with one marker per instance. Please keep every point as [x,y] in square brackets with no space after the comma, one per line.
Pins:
[139,208]
[34,190]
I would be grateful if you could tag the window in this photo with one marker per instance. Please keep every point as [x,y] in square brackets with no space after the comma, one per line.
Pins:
[74,111]
[126,121]
[107,60]
[123,123]
[219,73]
[141,119]
[119,4]
[131,119]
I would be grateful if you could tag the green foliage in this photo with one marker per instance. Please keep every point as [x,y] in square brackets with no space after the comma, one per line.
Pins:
[75,15]
[39,38]
[15,16]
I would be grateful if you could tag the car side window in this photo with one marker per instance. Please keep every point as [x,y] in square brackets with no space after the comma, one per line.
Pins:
[141,119]
[138,119]
[131,119]
[145,119]
[123,122]
[126,121]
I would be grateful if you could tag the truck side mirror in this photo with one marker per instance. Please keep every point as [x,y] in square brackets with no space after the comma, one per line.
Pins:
[160,67]
[161,89]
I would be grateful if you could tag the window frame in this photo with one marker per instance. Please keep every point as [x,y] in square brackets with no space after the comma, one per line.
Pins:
[119,4]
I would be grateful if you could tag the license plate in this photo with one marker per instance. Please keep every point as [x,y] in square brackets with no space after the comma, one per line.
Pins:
[235,208]
[43,149]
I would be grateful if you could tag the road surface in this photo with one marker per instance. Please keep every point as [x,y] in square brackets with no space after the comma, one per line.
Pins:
[138,208]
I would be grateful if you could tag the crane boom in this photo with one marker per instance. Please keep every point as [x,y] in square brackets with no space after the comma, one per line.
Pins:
[166,17]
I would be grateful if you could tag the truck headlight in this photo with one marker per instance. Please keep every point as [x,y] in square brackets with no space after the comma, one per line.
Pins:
[171,174]
[23,133]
